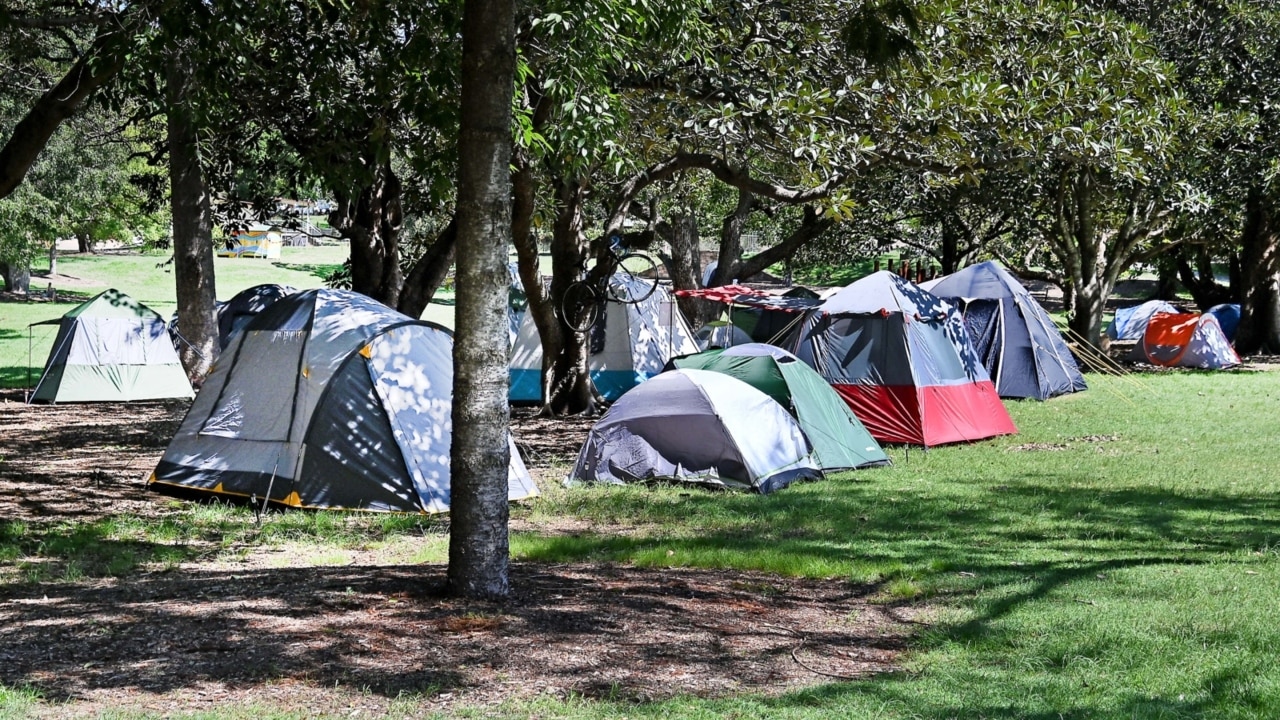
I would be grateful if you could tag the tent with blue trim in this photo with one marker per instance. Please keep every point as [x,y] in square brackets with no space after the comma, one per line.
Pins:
[630,343]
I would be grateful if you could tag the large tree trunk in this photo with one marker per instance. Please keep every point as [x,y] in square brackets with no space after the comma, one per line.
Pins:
[85,243]
[478,542]
[192,232]
[565,354]
[952,239]
[1259,328]
[1166,278]
[370,218]
[17,276]
[1088,302]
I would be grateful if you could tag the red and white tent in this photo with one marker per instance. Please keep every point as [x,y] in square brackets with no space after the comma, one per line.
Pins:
[900,357]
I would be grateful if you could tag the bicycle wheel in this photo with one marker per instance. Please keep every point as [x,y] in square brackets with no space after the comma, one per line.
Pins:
[639,278]
[579,306]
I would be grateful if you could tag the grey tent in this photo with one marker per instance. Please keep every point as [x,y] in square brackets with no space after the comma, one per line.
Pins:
[697,426]
[111,349]
[1017,340]
[327,399]
[235,313]
[839,440]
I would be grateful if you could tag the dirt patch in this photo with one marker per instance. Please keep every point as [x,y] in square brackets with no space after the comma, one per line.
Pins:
[373,637]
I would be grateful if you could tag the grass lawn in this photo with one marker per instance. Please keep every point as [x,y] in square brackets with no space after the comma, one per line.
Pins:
[1118,558]
[138,276]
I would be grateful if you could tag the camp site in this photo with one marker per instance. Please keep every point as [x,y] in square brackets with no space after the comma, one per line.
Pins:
[910,360]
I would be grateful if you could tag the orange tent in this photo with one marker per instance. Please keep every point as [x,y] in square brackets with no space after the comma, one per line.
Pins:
[1186,340]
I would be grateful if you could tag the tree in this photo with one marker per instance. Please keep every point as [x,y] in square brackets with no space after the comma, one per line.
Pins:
[1073,128]
[479,460]
[1228,60]
[626,101]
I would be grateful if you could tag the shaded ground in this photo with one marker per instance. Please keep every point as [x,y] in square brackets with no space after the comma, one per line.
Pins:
[370,636]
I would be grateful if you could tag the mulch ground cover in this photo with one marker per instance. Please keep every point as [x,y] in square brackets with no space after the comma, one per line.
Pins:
[370,637]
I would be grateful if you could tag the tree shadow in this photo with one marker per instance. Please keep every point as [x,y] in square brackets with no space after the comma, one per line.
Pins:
[600,631]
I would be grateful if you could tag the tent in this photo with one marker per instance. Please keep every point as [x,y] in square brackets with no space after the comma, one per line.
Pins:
[697,426]
[720,334]
[235,313]
[839,441]
[629,344]
[259,241]
[900,358]
[1018,342]
[1129,323]
[1185,340]
[1228,317]
[111,348]
[327,399]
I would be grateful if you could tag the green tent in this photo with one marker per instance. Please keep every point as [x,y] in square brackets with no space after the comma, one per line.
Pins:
[839,440]
[111,348]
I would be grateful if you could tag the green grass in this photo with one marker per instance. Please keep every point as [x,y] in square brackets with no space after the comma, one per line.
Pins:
[137,275]
[1131,574]
[1120,557]
[120,545]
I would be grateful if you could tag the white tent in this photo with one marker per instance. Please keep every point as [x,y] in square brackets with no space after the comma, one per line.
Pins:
[327,399]
[697,426]
[629,344]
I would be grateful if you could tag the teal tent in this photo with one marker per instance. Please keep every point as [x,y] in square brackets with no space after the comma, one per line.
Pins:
[111,349]
[839,439]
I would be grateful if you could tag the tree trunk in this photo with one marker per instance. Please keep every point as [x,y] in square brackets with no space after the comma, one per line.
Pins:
[1087,306]
[53,257]
[429,273]
[1166,278]
[1200,280]
[85,243]
[370,218]
[565,354]
[192,232]
[1259,328]
[478,542]
[685,271]
[952,239]
[17,276]
[731,240]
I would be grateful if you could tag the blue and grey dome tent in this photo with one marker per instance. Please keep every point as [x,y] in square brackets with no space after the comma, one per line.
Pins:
[1018,342]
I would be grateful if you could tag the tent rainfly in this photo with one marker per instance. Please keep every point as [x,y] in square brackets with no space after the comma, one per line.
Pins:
[1018,342]
[697,426]
[327,399]
[839,441]
[1228,316]
[235,313]
[900,357]
[1131,322]
[630,343]
[111,349]
[1185,340]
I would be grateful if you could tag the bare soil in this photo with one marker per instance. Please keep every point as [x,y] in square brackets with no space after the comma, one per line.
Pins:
[374,638]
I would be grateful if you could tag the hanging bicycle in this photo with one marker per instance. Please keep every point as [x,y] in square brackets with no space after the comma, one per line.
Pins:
[628,277]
